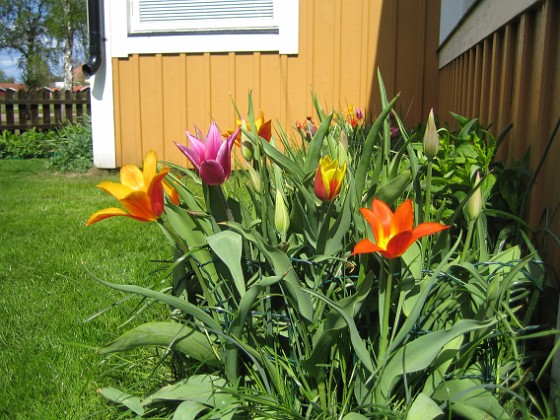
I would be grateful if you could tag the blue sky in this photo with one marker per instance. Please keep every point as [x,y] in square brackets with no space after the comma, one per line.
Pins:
[8,64]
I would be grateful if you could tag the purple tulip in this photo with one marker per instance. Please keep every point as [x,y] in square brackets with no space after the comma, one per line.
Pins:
[211,157]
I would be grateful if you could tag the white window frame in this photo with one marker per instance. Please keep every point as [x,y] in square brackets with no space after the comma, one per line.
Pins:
[129,36]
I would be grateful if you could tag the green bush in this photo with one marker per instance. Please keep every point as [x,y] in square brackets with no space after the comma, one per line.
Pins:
[72,149]
[28,145]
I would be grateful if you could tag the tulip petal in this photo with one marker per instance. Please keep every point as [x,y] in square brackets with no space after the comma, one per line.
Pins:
[196,144]
[403,219]
[171,192]
[132,177]
[384,215]
[150,167]
[213,142]
[110,212]
[212,173]
[427,228]
[365,246]
[320,187]
[155,192]
[224,154]
[117,190]
[398,244]
[139,205]
[191,155]
[265,131]
[377,227]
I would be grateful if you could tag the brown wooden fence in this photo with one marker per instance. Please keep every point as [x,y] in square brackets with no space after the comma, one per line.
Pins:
[41,109]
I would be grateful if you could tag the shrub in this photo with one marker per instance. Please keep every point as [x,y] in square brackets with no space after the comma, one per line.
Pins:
[72,149]
[28,145]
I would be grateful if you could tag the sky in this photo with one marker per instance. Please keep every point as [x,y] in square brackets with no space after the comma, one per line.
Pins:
[8,64]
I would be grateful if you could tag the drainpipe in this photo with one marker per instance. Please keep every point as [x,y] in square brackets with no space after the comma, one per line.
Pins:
[96,37]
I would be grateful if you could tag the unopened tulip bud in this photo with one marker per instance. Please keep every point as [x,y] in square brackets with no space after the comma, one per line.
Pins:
[474,205]
[431,137]
[254,177]
[281,215]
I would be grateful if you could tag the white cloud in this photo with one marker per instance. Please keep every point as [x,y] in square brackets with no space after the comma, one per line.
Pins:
[8,64]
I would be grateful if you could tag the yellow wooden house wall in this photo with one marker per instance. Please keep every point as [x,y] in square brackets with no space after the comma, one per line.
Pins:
[341,44]
[513,76]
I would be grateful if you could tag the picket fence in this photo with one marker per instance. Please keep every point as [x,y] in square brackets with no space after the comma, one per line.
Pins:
[41,109]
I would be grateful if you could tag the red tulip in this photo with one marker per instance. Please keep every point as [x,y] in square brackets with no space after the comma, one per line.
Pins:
[393,233]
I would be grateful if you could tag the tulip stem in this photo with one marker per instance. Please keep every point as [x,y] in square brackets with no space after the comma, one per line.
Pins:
[428,203]
[185,249]
[384,336]
[468,240]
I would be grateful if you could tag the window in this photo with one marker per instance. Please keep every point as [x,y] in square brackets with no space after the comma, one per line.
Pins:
[206,26]
[203,16]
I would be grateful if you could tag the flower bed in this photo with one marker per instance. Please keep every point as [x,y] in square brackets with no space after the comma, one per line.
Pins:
[299,293]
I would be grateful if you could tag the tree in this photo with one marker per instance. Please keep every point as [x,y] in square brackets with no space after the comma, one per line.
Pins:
[66,23]
[4,78]
[22,29]
[39,30]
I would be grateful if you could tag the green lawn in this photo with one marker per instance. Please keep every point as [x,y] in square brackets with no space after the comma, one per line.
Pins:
[48,365]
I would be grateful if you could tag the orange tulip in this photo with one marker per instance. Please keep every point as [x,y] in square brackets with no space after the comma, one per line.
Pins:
[393,233]
[140,192]
[264,129]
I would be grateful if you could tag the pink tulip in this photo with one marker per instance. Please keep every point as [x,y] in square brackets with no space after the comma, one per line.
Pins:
[211,157]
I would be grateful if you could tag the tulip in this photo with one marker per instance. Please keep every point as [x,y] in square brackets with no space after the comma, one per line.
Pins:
[393,233]
[431,137]
[474,204]
[211,157]
[264,129]
[329,178]
[281,215]
[140,192]
[354,116]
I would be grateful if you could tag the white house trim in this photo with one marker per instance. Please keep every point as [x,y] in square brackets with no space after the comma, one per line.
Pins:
[102,106]
[285,41]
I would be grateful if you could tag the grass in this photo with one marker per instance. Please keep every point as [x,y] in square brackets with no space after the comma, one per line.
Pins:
[48,365]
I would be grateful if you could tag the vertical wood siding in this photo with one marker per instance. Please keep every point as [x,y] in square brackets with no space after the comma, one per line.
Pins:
[341,44]
[513,76]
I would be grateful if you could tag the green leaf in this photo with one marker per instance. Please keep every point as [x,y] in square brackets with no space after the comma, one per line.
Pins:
[334,323]
[419,354]
[442,363]
[228,246]
[172,301]
[365,159]
[282,267]
[469,399]
[199,388]
[189,410]
[424,408]
[131,402]
[392,190]
[177,336]
[359,346]
[419,300]
[316,144]
[355,416]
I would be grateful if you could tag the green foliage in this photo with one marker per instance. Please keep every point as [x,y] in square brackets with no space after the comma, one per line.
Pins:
[28,145]
[69,149]
[302,328]
[72,149]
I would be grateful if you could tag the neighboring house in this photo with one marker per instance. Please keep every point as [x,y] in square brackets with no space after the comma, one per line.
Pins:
[166,70]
